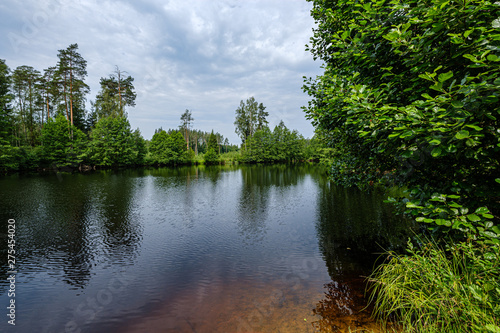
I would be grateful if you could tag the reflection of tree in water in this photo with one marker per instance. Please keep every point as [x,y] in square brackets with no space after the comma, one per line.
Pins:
[343,307]
[253,203]
[257,182]
[51,221]
[212,172]
[71,222]
[79,257]
[120,227]
[353,226]
[100,226]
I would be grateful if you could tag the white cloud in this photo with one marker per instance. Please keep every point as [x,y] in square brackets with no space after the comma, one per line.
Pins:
[200,55]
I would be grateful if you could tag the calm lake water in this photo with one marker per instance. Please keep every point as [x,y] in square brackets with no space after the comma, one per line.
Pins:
[192,249]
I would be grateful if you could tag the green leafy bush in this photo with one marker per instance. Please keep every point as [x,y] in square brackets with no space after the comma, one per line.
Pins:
[63,145]
[410,98]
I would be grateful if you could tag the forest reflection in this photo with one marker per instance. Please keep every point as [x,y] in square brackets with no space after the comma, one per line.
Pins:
[211,238]
[353,228]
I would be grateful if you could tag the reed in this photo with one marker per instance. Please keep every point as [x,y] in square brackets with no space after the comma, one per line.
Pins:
[454,287]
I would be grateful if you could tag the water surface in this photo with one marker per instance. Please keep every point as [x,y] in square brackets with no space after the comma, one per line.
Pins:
[191,249]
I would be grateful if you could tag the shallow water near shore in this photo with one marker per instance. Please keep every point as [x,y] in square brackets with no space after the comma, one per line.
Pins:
[192,249]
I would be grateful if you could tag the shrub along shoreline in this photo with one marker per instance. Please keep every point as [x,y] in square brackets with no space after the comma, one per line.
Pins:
[410,98]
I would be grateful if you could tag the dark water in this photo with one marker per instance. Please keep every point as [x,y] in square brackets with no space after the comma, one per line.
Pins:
[192,249]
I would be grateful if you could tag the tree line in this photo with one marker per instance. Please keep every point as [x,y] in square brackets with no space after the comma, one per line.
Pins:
[261,145]
[44,124]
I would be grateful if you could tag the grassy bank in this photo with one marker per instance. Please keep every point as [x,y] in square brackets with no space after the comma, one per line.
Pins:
[453,287]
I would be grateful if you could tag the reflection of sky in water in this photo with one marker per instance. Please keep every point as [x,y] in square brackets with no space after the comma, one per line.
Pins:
[110,249]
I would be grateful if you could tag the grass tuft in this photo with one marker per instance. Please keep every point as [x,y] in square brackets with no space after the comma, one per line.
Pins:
[449,288]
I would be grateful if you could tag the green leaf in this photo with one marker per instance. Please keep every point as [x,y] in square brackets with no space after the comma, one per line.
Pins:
[487,216]
[477,128]
[440,221]
[434,142]
[438,87]
[412,205]
[393,35]
[427,76]
[436,152]
[492,57]
[473,218]
[451,148]
[463,134]
[406,134]
[470,142]
[457,104]
[471,57]
[445,76]
[497,180]
[363,133]
[496,23]
[468,32]
[482,210]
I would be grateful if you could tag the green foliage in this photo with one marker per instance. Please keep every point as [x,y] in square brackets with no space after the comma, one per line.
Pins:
[7,154]
[260,147]
[440,290]
[113,143]
[212,155]
[25,92]
[231,157]
[410,96]
[63,145]
[250,117]
[139,147]
[168,149]
[116,93]
[280,145]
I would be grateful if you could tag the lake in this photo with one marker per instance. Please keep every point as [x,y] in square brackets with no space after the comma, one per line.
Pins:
[191,249]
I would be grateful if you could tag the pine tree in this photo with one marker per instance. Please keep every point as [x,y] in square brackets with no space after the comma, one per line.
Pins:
[71,71]
[186,120]
[116,93]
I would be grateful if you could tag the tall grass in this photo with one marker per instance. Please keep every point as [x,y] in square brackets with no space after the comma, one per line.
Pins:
[454,288]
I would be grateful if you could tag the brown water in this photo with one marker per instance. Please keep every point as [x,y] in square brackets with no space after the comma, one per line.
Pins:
[195,249]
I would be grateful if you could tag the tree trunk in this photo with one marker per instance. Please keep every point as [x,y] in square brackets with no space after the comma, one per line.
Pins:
[48,107]
[65,96]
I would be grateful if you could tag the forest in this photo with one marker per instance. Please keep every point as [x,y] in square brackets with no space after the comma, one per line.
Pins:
[409,99]
[44,124]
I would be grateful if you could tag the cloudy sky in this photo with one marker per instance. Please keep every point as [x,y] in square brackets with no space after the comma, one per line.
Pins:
[201,55]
